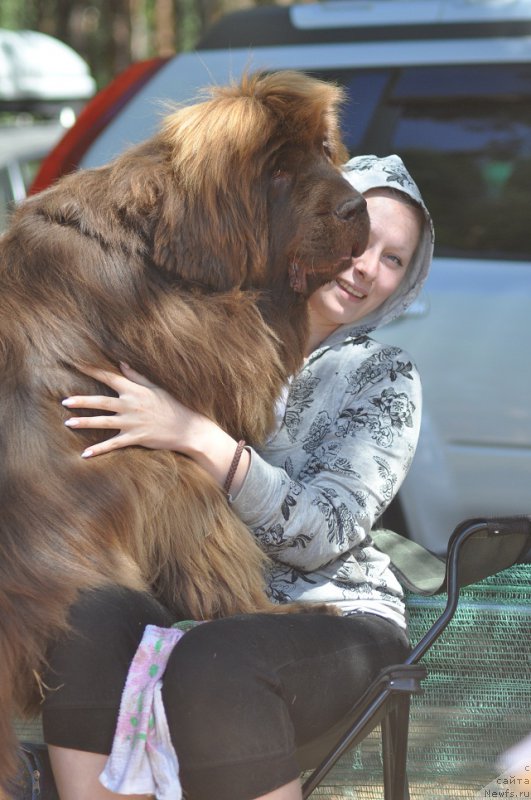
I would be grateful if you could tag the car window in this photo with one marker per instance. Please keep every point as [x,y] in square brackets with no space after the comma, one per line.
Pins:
[465,133]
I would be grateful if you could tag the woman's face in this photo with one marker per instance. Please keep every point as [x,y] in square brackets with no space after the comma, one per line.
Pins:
[375,274]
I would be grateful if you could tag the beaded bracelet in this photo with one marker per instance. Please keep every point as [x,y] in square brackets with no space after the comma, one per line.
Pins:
[234,466]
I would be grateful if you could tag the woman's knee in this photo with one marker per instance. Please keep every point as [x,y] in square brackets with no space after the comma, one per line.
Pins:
[88,665]
[208,666]
[107,624]
[222,698]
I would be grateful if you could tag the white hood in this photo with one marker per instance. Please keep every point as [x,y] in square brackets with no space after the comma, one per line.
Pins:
[371,172]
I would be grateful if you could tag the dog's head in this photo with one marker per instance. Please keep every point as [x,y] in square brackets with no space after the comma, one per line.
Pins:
[260,198]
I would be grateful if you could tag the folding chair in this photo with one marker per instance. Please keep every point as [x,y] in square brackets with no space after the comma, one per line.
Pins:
[477,549]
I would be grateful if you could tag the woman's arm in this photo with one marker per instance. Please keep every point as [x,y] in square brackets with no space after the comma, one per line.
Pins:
[150,417]
[346,446]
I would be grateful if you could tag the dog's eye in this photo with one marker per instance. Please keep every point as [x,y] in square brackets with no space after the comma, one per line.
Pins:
[281,178]
[327,150]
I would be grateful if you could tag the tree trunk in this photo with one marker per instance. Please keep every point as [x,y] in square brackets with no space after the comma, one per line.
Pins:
[119,45]
[164,28]
[140,35]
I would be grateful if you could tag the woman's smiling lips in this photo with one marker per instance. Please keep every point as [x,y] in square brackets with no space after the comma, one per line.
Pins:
[350,289]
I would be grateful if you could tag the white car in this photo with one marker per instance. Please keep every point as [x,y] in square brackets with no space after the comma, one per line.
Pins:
[447,85]
[43,84]
[22,148]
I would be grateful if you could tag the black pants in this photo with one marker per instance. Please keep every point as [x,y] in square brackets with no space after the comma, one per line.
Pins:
[240,693]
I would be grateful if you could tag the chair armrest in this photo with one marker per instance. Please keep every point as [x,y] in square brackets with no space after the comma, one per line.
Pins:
[416,568]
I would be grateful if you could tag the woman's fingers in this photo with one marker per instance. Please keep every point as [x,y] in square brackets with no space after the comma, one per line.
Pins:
[112,379]
[135,376]
[107,422]
[114,443]
[144,414]
[101,402]
[116,381]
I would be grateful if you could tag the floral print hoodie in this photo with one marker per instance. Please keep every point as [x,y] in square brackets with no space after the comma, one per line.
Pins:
[344,445]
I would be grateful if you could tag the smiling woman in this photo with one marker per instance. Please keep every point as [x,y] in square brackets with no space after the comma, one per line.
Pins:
[377,273]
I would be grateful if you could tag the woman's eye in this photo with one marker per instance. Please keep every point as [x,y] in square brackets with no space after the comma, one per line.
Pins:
[395,259]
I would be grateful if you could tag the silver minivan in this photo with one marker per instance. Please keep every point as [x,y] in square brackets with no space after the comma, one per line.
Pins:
[447,85]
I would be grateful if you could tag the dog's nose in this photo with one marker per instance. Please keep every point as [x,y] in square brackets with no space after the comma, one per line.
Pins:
[352,208]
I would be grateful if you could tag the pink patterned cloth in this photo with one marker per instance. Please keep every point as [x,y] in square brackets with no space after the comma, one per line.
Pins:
[142,760]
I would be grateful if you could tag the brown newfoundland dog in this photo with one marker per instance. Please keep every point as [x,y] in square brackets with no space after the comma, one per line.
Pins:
[189,257]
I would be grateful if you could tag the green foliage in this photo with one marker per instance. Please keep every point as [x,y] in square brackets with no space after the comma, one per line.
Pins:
[190,27]
[17,14]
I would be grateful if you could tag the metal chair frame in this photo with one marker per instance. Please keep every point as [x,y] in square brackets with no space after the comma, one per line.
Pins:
[494,545]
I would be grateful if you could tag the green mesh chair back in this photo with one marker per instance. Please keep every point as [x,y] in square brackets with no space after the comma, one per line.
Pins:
[476,701]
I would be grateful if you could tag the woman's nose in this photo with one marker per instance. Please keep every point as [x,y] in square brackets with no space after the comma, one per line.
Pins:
[367,265]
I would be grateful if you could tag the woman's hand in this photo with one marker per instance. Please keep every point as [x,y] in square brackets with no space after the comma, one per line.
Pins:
[148,416]
[144,414]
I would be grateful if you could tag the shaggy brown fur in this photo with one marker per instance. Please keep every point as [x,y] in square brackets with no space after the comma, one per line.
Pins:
[176,258]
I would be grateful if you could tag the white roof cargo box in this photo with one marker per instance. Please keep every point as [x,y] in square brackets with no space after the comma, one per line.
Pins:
[37,67]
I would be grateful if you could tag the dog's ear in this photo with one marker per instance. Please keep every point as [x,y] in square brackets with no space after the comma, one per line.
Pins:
[212,225]
[218,248]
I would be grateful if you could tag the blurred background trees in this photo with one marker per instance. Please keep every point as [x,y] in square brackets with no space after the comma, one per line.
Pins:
[110,34]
